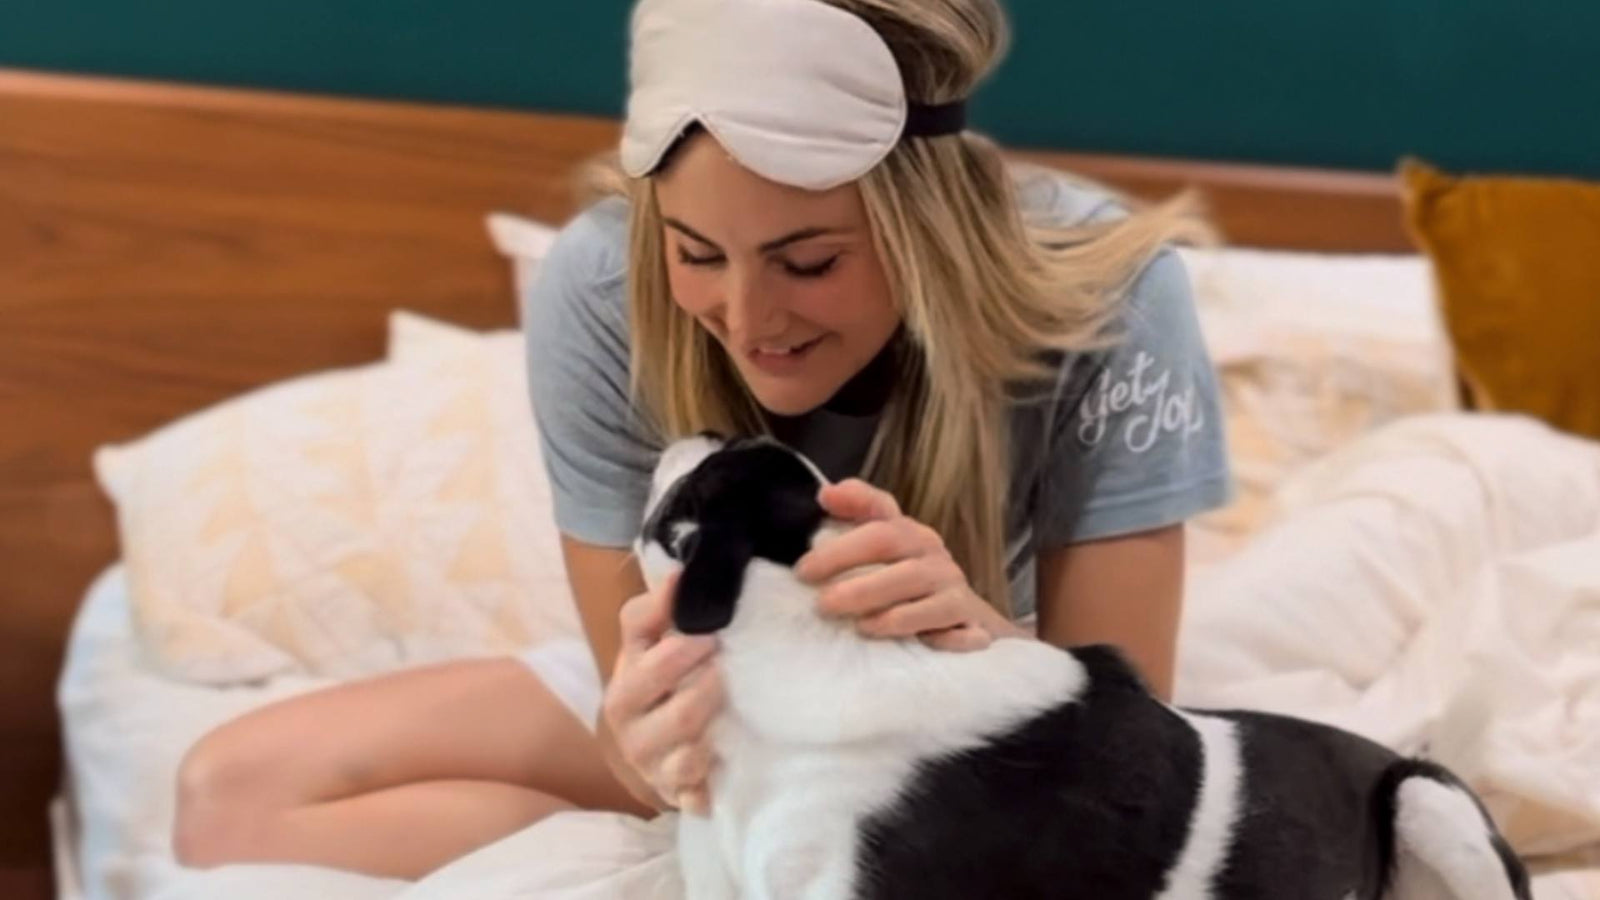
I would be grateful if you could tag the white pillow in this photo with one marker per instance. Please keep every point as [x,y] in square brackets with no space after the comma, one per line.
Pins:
[416,338]
[523,241]
[346,523]
[1246,296]
[1313,351]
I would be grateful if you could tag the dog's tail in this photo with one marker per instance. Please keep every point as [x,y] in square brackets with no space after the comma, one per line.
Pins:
[1436,839]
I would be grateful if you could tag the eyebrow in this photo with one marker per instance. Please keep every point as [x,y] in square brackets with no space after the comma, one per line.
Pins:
[804,234]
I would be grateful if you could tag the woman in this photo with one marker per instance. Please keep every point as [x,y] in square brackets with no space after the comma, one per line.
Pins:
[829,256]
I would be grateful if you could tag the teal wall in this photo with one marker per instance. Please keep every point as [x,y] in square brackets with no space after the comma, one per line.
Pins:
[1473,84]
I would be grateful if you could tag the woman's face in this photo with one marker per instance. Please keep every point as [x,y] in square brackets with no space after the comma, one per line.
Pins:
[787,280]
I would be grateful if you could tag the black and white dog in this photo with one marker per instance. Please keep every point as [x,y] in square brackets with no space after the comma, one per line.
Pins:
[853,768]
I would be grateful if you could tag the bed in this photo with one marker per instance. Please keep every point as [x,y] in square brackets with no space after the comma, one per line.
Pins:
[164,248]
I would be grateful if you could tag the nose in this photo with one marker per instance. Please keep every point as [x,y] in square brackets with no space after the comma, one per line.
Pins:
[751,314]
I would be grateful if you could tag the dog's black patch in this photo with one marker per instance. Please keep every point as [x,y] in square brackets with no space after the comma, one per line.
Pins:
[1304,824]
[1096,797]
[752,499]
[1089,799]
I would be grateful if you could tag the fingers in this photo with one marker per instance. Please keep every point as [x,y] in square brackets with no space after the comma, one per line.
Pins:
[645,682]
[661,701]
[695,800]
[944,610]
[854,500]
[650,739]
[647,617]
[882,543]
[669,744]
[961,639]
[873,592]
[683,717]
[684,772]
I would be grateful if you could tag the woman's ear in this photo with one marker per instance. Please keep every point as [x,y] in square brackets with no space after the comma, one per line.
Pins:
[713,577]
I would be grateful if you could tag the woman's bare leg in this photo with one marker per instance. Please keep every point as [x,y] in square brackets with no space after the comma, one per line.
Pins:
[402,832]
[393,776]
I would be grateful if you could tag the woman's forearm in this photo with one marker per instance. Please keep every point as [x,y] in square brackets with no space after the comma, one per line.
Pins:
[1126,591]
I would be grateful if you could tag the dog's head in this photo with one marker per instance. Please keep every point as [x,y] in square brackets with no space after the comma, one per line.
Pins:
[716,506]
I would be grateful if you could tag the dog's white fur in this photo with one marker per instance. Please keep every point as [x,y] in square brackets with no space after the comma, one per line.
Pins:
[823,727]
[1457,863]
[1211,826]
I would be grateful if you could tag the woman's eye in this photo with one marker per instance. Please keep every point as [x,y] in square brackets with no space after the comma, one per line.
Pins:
[813,271]
[689,259]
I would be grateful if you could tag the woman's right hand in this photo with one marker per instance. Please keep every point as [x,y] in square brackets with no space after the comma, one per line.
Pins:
[663,694]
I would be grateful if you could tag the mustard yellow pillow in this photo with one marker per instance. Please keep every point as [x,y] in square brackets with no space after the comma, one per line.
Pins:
[1517,262]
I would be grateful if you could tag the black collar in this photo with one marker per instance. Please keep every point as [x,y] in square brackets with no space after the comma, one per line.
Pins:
[863,396]
[868,391]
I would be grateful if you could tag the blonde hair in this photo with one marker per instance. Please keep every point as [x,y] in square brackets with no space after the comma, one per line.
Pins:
[985,296]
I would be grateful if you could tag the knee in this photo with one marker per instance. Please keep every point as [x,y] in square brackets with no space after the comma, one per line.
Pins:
[217,803]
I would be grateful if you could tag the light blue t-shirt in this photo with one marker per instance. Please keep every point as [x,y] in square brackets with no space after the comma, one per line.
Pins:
[1130,439]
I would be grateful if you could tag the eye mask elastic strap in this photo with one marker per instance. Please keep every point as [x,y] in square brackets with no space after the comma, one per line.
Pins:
[936,120]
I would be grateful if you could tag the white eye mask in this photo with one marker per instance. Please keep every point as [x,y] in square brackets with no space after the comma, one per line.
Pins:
[798,91]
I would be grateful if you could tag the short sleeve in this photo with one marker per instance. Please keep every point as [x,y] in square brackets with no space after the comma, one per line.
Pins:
[597,450]
[1137,437]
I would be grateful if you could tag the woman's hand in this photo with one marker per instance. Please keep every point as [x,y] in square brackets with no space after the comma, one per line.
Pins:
[664,692]
[920,590]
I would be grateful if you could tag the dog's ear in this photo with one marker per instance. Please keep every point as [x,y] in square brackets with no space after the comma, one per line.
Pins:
[714,564]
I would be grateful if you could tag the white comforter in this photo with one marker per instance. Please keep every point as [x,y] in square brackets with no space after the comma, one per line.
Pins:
[1436,586]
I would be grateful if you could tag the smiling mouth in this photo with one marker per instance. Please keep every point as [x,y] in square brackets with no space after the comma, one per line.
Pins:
[783,351]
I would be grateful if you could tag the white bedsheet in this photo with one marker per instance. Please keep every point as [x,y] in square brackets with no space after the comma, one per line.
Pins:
[1437,585]
[126,729]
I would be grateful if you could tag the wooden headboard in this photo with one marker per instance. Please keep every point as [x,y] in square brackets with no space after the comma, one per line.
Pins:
[165,247]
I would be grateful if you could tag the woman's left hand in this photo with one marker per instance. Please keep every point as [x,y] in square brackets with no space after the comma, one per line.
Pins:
[919,591]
